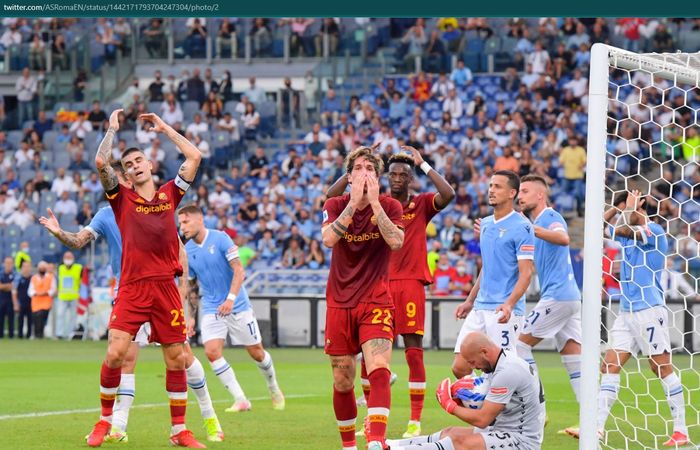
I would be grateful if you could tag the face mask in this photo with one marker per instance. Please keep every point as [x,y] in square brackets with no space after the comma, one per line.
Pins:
[461,270]
[42,272]
[444,266]
[68,262]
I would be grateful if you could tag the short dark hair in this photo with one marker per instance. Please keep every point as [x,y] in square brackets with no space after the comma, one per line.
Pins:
[131,150]
[117,166]
[191,208]
[513,178]
[401,158]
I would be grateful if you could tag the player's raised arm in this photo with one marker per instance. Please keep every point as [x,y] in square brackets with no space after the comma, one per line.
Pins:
[73,240]
[393,234]
[338,188]
[192,155]
[335,227]
[445,192]
[108,177]
[624,226]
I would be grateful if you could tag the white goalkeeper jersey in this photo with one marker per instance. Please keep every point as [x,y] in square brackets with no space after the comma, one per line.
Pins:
[513,384]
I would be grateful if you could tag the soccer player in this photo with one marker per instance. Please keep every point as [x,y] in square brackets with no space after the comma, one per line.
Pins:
[408,268]
[104,224]
[558,313]
[642,324]
[363,228]
[496,304]
[147,292]
[214,262]
[513,412]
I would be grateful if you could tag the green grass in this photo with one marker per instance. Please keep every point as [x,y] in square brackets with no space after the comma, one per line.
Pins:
[38,377]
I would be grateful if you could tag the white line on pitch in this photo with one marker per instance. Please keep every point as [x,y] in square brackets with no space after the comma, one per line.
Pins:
[144,405]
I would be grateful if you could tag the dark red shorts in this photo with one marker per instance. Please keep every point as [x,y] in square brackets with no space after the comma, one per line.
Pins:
[155,301]
[348,328]
[409,306]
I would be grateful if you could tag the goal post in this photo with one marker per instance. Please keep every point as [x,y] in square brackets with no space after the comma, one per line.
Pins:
[629,105]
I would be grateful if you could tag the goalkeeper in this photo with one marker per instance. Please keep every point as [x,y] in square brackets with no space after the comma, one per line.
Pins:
[505,420]
[642,324]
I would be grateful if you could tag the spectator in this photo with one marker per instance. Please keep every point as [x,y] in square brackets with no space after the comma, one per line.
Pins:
[68,291]
[81,127]
[122,35]
[600,31]
[79,85]
[226,86]
[43,124]
[79,163]
[24,154]
[330,109]
[453,104]
[452,36]
[315,259]
[230,125]
[329,29]
[195,42]
[414,42]
[573,159]
[444,277]
[210,84]
[275,191]
[212,106]
[421,88]
[578,85]
[629,28]
[441,87]
[675,285]
[37,54]
[74,146]
[462,282]
[299,42]
[462,76]
[97,116]
[435,53]
[254,93]
[7,306]
[11,37]
[662,40]
[22,300]
[59,53]
[257,162]
[155,89]
[267,247]
[248,211]
[5,162]
[42,289]
[226,40]
[539,59]
[580,37]
[245,252]
[195,88]
[155,42]
[170,111]
[290,103]
[251,123]
[262,38]
[65,206]
[293,257]
[219,198]
[26,88]
[92,184]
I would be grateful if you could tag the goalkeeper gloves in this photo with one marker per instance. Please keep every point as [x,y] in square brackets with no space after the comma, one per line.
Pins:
[444,396]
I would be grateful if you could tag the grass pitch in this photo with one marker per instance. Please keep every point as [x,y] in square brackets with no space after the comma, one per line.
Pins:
[50,400]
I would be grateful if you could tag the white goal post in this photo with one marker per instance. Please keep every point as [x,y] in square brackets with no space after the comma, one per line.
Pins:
[678,69]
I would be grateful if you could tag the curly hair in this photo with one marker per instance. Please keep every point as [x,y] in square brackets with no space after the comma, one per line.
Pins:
[367,152]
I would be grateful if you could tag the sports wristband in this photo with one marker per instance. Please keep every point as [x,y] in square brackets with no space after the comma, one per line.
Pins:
[425,167]
[231,297]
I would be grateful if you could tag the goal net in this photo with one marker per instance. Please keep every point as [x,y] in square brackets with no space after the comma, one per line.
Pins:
[643,134]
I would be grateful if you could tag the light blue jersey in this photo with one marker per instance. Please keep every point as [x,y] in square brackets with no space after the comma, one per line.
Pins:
[104,224]
[643,262]
[553,262]
[503,242]
[209,263]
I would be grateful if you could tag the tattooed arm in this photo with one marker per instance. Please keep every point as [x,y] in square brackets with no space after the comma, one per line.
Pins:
[335,231]
[192,155]
[72,240]
[108,177]
[392,234]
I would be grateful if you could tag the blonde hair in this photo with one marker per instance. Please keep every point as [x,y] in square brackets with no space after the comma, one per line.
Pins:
[368,153]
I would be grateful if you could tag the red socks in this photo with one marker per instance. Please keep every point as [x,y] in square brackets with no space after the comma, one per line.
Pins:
[109,383]
[364,380]
[416,381]
[346,415]
[176,385]
[379,403]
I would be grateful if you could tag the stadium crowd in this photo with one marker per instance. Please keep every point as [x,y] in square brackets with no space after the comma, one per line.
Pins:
[530,119]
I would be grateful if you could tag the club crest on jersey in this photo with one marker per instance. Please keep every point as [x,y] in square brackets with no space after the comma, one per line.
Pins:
[411,205]
[501,232]
[373,219]
[211,249]
[162,196]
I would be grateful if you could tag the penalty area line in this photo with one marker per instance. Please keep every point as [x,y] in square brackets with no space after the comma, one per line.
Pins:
[137,406]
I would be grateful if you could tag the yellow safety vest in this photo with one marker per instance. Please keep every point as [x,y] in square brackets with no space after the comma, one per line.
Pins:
[69,282]
[20,257]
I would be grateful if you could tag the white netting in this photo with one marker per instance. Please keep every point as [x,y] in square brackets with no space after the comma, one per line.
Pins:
[653,145]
